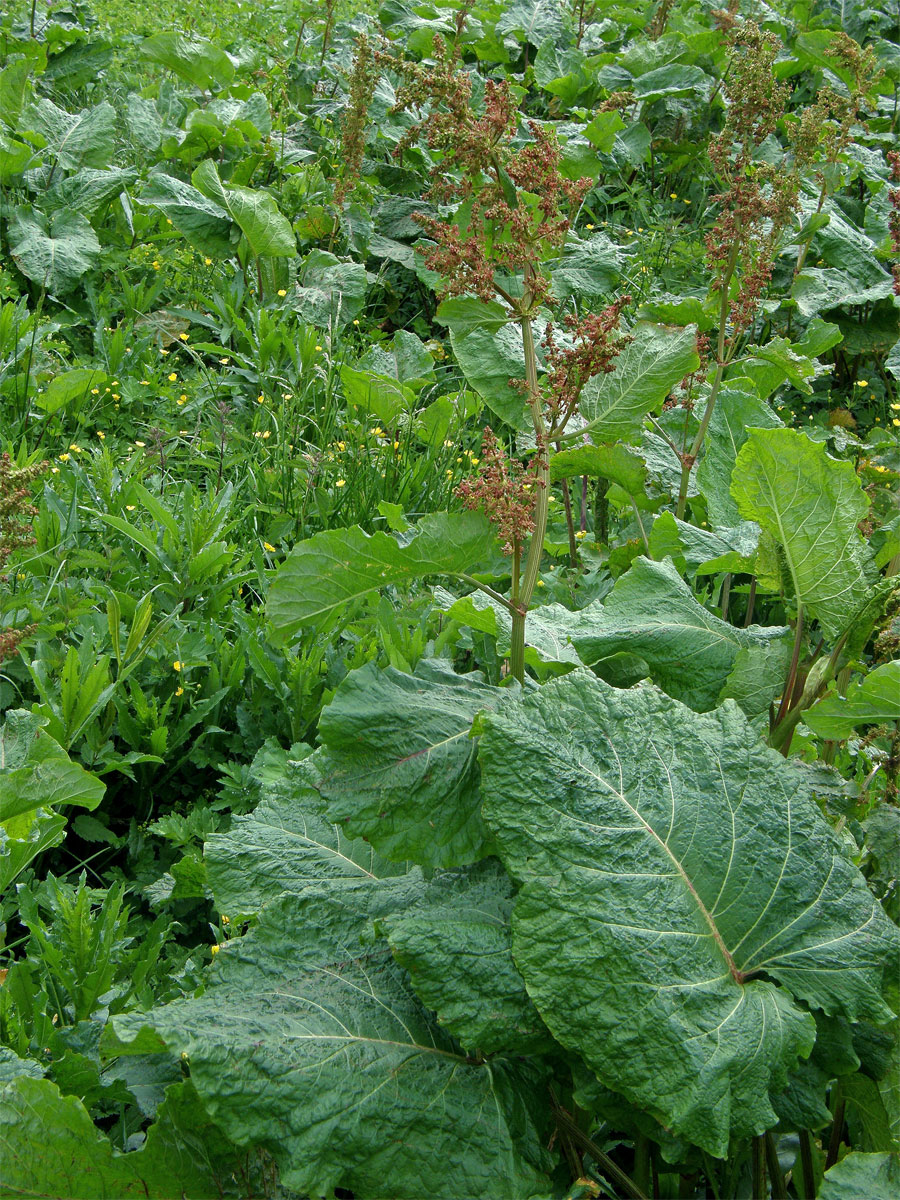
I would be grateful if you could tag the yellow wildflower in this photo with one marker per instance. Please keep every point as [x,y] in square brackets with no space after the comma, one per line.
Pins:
[340,483]
[268,546]
[282,292]
[176,665]
[172,377]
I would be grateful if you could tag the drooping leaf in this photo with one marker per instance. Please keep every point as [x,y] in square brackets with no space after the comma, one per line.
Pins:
[376,395]
[35,770]
[465,313]
[89,189]
[74,384]
[464,920]
[589,268]
[74,140]
[331,292]
[329,1061]
[861,1176]
[401,767]
[405,358]
[254,211]
[705,551]
[687,858]
[53,251]
[49,1146]
[736,411]
[810,505]
[617,463]
[489,359]
[645,372]
[207,226]
[873,700]
[331,569]
[285,843]
[652,613]
[193,59]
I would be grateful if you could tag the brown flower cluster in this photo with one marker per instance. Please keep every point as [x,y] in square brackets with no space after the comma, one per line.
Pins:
[593,343]
[363,79]
[894,217]
[825,128]
[498,227]
[504,491]
[15,530]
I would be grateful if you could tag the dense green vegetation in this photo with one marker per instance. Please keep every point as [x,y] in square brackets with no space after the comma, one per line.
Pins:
[449,618]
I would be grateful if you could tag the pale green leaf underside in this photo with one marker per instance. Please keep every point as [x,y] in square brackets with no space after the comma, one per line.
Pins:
[327,1058]
[668,859]
[862,1176]
[645,372]
[401,768]
[810,505]
[336,567]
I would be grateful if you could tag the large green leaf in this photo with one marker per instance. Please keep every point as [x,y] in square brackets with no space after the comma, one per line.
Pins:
[75,140]
[489,360]
[193,59]
[206,225]
[617,463]
[331,292]
[645,372]
[89,189]
[547,627]
[862,1176]
[651,612]
[810,505]
[402,770]
[326,572]
[49,1146]
[35,770]
[872,701]
[463,921]
[74,384]
[310,1043]
[737,410]
[268,231]
[682,894]
[52,251]
[285,843]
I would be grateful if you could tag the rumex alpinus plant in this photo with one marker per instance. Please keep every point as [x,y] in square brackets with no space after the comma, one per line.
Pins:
[15,529]
[513,212]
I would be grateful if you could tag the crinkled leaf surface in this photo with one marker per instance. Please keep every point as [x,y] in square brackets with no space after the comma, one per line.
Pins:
[402,769]
[285,843]
[332,292]
[645,372]
[489,359]
[53,251]
[205,224]
[651,612]
[35,770]
[669,859]
[49,1146]
[705,551]
[456,946]
[327,1059]
[616,463]
[83,139]
[193,59]
[335,567]
[810,505]
[871,701]
[254,211]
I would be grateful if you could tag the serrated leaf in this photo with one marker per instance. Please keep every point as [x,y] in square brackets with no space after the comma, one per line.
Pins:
[810,505]
[690,859]
[873,700]
[464,919]
[330,570]
[651,612]
[402,770]
[329,1061]
[645,372]
[285,843]
[52,251]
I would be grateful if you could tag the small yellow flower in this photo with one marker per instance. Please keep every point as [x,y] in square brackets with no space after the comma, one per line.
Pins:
[448,472]
[179,691]
[396,445]
[129,508]
[282,292]
[145,382]
[540,583]
[64,457]
[340,483]
[475,462]
[673,195]
[356,322]
[589,226]
[214,950]
[895,408]
[342,445]
[77,449]
[287,395]
[225,361]
[685,200]
[208,261]
[318,347]
[267,435]
[183,336]
[581,533]
[163,352]
[172,377]
[155,264]
[101,435]
[260,398]
[176,665]
[140,445]
[116,396]
[862,383]
[268,546]
[896,421]
[225,920]
[95,391]
[54,470]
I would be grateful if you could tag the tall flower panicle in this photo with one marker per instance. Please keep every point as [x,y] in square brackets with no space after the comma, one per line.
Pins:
[504,490]
[591,348]
[363,78]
